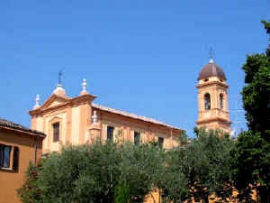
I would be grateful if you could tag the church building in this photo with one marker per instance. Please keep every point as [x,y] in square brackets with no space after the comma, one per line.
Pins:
[78,121]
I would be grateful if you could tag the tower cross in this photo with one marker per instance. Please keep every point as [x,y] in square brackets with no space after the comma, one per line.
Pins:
[60,74]
[211,55]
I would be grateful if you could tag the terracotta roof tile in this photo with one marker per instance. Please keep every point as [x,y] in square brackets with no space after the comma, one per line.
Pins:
[211,69]
[131,115]
[15,126]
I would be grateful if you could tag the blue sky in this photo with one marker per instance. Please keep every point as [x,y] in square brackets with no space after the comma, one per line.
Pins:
[141,56]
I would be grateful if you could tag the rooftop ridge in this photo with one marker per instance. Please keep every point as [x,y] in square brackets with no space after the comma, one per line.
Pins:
[16,126]
[132,115]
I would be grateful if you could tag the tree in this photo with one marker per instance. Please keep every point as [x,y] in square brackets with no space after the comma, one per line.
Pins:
[246,167]
[97,182]
[256,93]
[251,166]
[208,165]
[199,169]
[252,153]
[95,174]
[140,167]
[174,181]
[80,174]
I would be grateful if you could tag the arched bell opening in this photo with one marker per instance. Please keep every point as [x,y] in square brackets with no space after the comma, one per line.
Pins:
[207,101]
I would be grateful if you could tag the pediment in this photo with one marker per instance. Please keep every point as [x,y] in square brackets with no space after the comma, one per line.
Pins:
[54,100]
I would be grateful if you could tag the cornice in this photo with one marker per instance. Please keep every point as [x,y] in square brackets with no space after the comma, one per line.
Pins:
[87,98]
[214,119]
[212,83]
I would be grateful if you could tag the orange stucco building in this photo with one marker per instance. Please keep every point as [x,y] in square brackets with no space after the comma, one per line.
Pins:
[18,146]
[77,121]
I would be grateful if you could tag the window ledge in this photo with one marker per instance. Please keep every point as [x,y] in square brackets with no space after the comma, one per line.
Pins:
[7,169]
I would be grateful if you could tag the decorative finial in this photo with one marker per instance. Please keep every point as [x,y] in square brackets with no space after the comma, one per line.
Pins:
[94,117]
[84,91]
[37,105]
[211,56]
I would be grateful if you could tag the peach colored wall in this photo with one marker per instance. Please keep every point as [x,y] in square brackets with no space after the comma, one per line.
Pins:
[75,132]
[215,117]
[39,123]
[11,181]
[127,127]
[75,120]
[76,124]
[153,197]
[49,145]
[85,121]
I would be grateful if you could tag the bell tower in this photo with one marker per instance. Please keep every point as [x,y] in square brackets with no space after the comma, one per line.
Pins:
[213,98]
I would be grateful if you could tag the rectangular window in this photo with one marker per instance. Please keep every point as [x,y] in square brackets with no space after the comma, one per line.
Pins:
[136,138]
[6,159]
[160,142]
[56,131]
[5,156]
[110,133]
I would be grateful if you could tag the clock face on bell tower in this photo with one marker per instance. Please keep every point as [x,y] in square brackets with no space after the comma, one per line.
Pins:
[213,98]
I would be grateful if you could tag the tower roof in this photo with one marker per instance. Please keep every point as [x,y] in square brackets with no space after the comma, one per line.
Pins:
[211,69]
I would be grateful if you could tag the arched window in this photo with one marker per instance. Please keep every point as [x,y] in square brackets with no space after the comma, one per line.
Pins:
[221,104]
[207,101]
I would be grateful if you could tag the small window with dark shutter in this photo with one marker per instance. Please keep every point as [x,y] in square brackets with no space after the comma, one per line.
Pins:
[5,156]
[9,157]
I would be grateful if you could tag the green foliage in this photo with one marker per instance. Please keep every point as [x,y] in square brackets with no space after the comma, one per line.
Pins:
[174,179]
[199,169]
[252,152]
[208,164]
[140,167]
[30,192]
[122,193]
[248,152]
[256,93]
[266,26]
[97,173]
[80,174]
[251,164]
[126,173]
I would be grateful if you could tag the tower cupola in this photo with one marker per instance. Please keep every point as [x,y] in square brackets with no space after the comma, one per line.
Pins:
[211,70]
